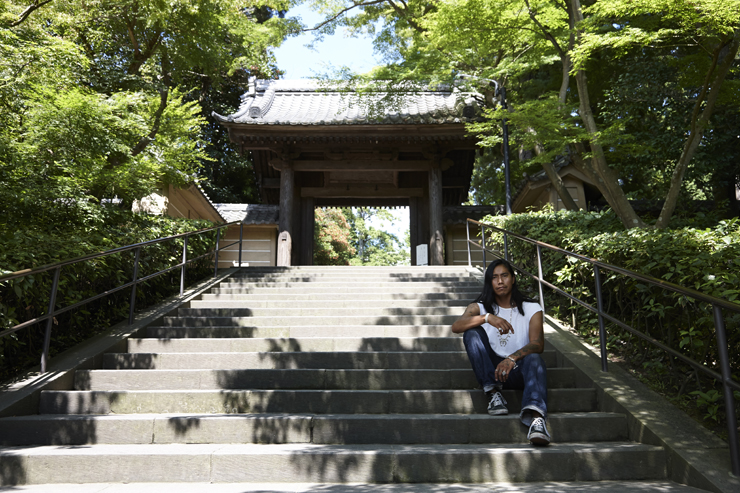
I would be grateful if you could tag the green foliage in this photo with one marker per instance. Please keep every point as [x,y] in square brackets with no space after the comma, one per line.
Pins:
[646,64]
[332,238]
[373,245]
[28,297]
[693,256]
[345,236]
[104,99]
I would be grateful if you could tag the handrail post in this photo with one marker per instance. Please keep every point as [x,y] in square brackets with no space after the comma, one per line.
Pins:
[483,244]
[600,307]
[506,247]
[539,270]
[467,232]
[218,237]
[184,263]
[724,361]
[50,320]
[132,303]
[241,235]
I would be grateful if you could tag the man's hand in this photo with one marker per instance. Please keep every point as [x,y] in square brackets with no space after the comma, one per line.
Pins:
[503,370]
[503,325]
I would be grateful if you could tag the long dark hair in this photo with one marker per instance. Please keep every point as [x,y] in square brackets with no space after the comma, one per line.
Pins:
[488,298]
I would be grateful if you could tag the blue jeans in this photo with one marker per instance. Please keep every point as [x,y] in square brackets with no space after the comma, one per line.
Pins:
[530,374]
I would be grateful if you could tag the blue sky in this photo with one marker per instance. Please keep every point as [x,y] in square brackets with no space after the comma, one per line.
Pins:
[338,50]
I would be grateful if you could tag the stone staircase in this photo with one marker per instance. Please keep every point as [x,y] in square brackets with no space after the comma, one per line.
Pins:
[314,375]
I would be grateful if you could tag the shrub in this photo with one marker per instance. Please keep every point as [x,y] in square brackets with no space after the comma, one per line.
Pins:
[28,297]
[703,259]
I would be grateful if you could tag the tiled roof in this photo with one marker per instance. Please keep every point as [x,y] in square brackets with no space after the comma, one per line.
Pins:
[306,102]
[249,213]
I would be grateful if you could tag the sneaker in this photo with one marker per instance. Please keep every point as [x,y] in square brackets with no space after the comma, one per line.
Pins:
[538,434]
[496,405]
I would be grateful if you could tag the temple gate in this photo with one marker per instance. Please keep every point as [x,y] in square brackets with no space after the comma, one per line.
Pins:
[313,147]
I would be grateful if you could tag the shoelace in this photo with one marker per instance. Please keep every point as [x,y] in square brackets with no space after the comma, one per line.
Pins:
[539,425]
[498,400]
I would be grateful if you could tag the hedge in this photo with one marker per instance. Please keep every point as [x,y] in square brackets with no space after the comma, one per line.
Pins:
[704,259]
[25,298]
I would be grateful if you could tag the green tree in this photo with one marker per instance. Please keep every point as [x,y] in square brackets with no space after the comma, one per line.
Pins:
[98,96]
[332,245]
[537,47]
[375,246]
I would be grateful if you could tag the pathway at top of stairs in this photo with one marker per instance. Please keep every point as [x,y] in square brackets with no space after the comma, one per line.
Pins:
[326,379]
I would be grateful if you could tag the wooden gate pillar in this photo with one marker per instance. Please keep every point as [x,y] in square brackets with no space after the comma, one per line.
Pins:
[436,239]
[285,227]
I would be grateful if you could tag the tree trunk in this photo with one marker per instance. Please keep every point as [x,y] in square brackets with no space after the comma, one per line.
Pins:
[557,182]
[723,58]
[606,179]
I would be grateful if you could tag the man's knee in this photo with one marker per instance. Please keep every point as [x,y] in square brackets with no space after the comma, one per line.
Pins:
[473,335]
[533,360]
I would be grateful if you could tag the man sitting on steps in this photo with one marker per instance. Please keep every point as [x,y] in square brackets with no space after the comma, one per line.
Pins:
[504,337]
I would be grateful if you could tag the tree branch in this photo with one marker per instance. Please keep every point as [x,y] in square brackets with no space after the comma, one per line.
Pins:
[163,96]
[548,36]
[722,61]
[403,13]
[340,13]
[29,10]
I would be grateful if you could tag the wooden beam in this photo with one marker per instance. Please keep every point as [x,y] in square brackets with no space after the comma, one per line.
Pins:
[359,165]
[361,191]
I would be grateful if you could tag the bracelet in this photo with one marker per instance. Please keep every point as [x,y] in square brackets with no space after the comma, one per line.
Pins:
[512,359]
[485,320]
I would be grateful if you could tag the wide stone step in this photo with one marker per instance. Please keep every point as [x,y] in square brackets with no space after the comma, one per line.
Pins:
[300,401]
[311,379]
[348,304]
[323,312]
[353,284]
[300,330]
[349,279]
[301,288]
[301,428]
[308,344]
[290,320]
[294,295]
[398,272]
[332,463]
[395,269]
[652,486]
[406,360]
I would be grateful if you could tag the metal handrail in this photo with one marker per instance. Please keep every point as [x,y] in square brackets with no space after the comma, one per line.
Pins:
[57,268]
[728,383]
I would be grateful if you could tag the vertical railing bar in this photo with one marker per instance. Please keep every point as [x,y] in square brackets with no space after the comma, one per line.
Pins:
[132,303]
[600,307]
[506,247]
[50,320]
[540,279]
[241,235]
[184,264]
[218,237]
[483,244]
[467,232]
[724,361]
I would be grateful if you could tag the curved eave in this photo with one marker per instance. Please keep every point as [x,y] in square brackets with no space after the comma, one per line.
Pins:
[381,129]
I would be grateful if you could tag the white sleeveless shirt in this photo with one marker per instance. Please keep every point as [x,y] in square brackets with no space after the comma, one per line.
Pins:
[505,344]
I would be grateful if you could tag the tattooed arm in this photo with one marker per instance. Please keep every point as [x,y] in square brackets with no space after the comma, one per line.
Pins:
[473,318]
